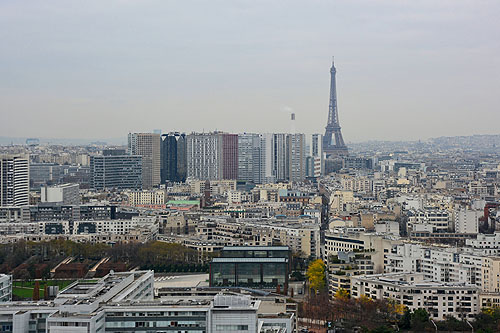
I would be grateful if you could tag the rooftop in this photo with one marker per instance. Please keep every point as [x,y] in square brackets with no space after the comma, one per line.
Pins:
[256,248]
[261,260]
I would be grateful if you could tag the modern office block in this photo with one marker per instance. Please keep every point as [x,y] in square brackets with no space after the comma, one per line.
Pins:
[116,172]
[45,174]
[261,267]
[173,157]
[250,158]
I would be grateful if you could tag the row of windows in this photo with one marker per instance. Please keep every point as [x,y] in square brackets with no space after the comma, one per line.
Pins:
[159,323]
[228,328]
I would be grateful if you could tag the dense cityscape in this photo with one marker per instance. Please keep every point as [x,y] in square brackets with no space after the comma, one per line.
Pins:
[250,232]
[249,166]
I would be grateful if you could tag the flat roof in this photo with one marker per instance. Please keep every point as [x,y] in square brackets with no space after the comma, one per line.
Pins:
[255,260]
[253,248]
[181,281]
[183,202]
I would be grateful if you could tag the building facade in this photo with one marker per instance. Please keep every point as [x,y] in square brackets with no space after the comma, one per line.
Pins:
[440,300]
[14,180]
[173,157]
[66,194]
[250,158]
[148,146]
[212,156]
[116,172]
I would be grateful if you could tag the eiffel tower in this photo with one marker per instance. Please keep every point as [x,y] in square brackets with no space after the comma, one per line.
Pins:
[333,143]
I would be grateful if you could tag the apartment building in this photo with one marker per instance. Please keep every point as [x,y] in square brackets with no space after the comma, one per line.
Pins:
[377,245]
[467,220]
[146,198]
[446,264]
[14,180]
[439,299]
[343,266]
[434,221]
[488,245]
[212,156]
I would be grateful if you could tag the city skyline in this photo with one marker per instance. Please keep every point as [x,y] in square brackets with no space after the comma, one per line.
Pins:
[429,68]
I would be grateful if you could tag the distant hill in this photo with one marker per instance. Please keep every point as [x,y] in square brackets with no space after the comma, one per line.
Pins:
[4,141]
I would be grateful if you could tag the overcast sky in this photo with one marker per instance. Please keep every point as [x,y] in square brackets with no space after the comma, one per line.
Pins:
[99,69]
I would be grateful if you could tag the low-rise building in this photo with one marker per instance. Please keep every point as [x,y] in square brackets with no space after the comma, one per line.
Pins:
[125,302]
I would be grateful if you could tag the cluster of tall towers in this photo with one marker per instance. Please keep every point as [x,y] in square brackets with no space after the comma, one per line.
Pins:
[250,157]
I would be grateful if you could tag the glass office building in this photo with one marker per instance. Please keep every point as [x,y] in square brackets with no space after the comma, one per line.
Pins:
[261,267]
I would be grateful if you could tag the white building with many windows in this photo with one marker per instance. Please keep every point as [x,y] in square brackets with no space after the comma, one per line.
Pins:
[414,291]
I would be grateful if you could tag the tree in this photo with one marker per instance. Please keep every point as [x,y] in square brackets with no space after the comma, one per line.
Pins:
[419,320]
[36,291]
[316,275]
[342,293]
[405,321]
[382,329]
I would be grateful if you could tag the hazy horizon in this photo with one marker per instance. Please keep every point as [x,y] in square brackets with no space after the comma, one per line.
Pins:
[405,70]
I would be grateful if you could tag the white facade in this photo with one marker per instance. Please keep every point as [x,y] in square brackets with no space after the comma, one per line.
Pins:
[387,227]
[14,180]
[204,156]
[446,264]
[488,245]
[66,194]
[432,220]
[316,152]
[467,221]
[414,291]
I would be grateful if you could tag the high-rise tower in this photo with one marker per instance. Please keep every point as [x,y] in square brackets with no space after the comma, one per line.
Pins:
[14,180]
[333,143]
[147,145]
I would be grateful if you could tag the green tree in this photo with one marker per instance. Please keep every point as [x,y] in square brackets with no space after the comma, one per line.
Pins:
[342,293]
[419,320]
[382,329]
